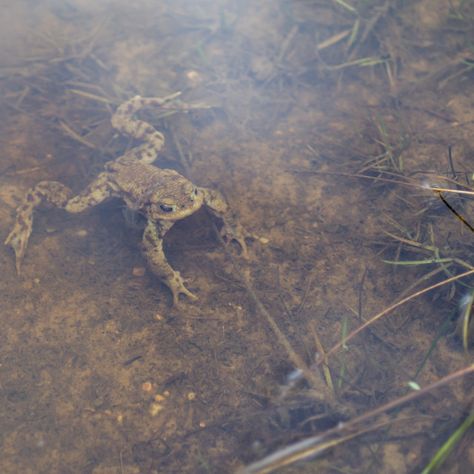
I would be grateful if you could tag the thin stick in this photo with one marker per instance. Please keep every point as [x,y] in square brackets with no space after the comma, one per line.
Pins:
[322,354]
[317,444]
[297,361]
[391,308]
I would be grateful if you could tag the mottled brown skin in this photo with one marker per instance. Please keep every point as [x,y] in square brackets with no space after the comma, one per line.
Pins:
[163,196]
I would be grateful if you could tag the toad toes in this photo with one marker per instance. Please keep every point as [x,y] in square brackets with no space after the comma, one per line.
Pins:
[163,196]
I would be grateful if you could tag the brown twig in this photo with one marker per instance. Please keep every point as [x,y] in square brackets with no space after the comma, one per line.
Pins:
[394,306]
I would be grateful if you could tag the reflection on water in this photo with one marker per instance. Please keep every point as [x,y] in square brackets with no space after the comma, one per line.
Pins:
[326,126]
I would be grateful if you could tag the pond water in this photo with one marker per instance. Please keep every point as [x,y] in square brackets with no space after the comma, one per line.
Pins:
[325,125]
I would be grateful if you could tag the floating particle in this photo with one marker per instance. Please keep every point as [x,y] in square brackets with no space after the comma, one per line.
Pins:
[155,408]
[138,271]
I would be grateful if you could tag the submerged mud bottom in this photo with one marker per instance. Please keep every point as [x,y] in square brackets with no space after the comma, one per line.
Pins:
[327,127]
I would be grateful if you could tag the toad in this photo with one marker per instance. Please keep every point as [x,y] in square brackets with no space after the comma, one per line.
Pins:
[162,196]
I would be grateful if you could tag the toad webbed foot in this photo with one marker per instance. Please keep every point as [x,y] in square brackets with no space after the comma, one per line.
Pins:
[51,192]
[175,283]
[235,232]
[231,230]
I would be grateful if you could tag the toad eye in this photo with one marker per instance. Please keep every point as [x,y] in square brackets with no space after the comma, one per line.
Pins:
[195,191]
[168,208]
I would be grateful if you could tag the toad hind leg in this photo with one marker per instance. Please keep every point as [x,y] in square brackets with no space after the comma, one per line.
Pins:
[153,250]
[51,192]
[123,120]
[59,195]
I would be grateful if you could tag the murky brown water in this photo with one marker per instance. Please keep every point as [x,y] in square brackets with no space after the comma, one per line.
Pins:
[327,119]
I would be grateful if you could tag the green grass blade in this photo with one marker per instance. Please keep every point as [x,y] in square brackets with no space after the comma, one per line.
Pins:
[445,450]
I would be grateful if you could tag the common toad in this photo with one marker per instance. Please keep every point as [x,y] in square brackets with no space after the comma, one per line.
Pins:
[163,196]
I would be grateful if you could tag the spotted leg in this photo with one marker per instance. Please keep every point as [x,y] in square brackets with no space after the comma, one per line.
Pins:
[153,250]
[124,121]
[56,194]
[231,230]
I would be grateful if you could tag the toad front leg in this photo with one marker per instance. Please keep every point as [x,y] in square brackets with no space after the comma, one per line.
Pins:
[58,195]
[231,230]
[153,250]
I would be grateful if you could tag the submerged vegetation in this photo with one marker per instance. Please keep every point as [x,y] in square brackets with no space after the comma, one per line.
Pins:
[341,132]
